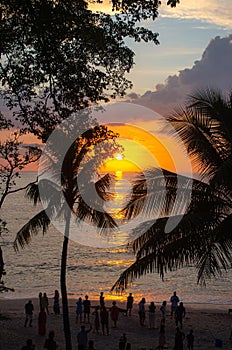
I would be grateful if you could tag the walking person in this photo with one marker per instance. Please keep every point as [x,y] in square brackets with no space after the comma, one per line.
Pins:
[82,338]
[86,305]
[151,314]
[29,308]
[142,314]
[129,304]
[56,304]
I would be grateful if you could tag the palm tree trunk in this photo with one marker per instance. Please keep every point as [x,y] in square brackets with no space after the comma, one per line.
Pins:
[66,324]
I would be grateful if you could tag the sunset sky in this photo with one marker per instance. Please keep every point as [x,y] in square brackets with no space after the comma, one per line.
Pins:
[195,51]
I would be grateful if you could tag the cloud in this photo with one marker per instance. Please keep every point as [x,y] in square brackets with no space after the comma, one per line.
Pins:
[214,69]
[211,11]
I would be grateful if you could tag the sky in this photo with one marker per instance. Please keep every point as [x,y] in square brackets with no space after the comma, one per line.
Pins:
[195,51]
[184,34]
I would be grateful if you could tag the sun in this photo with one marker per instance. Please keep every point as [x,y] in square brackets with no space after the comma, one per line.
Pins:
[118,156]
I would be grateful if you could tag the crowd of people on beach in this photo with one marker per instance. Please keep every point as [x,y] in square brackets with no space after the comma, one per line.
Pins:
[101,314]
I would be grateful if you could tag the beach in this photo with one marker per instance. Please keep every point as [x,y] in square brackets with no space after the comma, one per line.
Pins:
[209,322]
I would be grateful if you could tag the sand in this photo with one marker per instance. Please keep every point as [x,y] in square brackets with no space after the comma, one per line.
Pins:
[209,322]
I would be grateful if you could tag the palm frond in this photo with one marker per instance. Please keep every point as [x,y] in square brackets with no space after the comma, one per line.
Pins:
[39,222]
[196,130]
[158,192]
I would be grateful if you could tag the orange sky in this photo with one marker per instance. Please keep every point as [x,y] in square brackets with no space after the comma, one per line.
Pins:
[142,150]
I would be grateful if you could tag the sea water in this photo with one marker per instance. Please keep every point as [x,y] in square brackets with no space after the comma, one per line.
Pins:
[90,270]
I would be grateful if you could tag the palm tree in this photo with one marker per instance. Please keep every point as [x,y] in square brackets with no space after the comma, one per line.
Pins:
[53,195]
[201,234]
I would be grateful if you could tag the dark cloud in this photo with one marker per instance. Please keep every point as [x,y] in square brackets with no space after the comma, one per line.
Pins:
[214,69]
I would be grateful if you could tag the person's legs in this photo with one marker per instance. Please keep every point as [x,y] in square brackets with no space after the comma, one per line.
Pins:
[26,320]
[103,328]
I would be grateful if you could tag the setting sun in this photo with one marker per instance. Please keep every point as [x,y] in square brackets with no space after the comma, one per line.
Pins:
[118,156]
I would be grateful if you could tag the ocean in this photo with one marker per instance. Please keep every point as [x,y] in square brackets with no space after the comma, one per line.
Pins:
[90,270]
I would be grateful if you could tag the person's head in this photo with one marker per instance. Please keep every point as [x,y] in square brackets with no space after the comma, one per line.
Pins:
[29,342]
[152,303]
[143,300]
[30,302]
[86,297]
[114,303]
[174,293]
[45,294]
[130,294]
[40,295]
[51,335]
[181,304]
[101,294]
[80,299]
[56,292]
[164,303]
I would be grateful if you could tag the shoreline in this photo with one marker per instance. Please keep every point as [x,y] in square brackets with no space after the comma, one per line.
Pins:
[209,322]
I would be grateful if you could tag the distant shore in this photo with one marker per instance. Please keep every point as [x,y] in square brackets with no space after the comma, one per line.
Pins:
[209,322]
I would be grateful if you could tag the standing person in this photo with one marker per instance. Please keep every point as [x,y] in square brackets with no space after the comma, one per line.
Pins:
[79,310]
[29,308]
[114,313]
[122,342]
[142,314]
[44,302]
[82,338]
[162,339]
[50,343]
[87,305]
[190,340]
[96,314]
[163,309]
[102,300]
[174,303]
[42,319]
[40,301]
[179,314]
[104,315]
[179,338]
[29,345]
[129,304]
[56,304]
[152,308]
